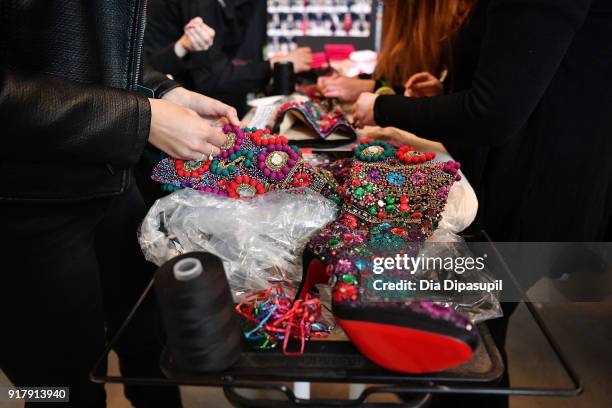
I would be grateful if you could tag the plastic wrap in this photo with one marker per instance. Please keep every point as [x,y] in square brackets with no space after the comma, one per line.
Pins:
[459,212]
[260,240]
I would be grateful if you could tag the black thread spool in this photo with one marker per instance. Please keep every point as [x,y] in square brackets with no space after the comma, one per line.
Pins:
[202,328]
[284,78]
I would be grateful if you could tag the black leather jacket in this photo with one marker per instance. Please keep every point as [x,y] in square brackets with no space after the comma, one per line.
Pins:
[71,122]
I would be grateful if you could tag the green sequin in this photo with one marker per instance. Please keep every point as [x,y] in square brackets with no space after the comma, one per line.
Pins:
[364,251]
[350,279]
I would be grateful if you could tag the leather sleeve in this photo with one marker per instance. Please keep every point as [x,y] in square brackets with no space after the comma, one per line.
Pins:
[49,119]
[523,46]
[157,82]
[166,61]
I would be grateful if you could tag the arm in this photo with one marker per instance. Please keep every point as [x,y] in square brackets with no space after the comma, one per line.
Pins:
[209,70]
[345,88]
[524,44]
[164,28]
[157,82]
[48,118]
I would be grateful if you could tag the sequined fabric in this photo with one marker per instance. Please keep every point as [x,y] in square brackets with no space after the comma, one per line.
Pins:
[392,201]
[324,124]
[252,162]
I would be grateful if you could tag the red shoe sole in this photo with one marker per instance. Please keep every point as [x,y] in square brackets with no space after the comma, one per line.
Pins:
[315,274]
[406,350]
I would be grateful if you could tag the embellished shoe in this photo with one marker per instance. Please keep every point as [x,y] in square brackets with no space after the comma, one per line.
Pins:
[393,198]
[330,128]
[251,162]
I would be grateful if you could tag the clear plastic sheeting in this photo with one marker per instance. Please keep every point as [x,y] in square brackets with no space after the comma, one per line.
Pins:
[477,305]
[260,240]
[459,212]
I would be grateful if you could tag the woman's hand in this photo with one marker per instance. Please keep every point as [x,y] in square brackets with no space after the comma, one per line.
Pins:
[204,106]
[344,88]
[387,133]
[182,133]
[198,37]
[423,84]
[300,57]
[363,110]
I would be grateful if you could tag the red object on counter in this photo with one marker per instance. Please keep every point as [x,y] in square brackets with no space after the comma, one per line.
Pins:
[338,52]
[319,59]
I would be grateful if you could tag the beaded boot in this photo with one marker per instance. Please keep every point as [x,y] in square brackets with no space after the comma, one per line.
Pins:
[393,198]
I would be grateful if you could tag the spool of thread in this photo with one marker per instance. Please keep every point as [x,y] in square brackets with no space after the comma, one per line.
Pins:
[202,329]
[284,78]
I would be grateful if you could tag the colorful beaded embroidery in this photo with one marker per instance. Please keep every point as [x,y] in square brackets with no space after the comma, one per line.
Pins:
[393,198]
[251,162]
[324,124]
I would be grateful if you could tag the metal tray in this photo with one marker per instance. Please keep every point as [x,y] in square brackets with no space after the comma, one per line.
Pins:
[340,362]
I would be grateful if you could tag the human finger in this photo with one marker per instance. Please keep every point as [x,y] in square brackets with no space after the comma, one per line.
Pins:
[209,30]
[427,84]
[201,41]
[418,77]
[193,39]
[196,20]
[205,152]
[215,136]
[231,114]
[322,82]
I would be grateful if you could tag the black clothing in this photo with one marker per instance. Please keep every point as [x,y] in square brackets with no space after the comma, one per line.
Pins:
[533,98]
[228,70]
[69,120]
[67,270]
[72,127]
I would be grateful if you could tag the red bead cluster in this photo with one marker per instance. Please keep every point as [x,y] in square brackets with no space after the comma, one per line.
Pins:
[409,155]
[327,122]
[231,188]
[399,231]
[403,206]
[343,292]
[179,164]
[301,179]
[284,107]
[266,137]
[366,140]
[349,220]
